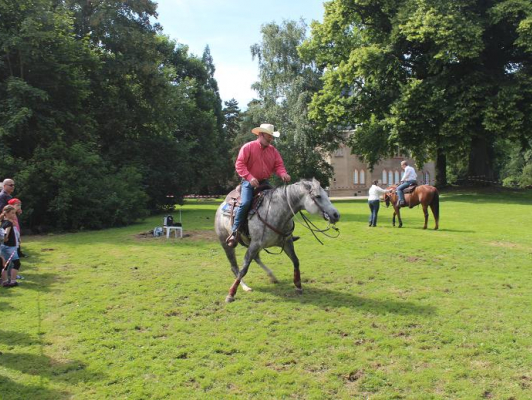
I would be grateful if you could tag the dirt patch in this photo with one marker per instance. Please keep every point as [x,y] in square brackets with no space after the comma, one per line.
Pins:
[509,245]
[187,235]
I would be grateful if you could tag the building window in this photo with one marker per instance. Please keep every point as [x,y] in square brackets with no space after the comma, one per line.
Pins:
[362,177]
[384,177]
[427,178]
[390,178]
[355,177]
[339,152]
[397,179]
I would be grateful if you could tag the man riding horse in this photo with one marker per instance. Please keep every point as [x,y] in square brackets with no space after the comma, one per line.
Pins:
[256,162]
[409,178]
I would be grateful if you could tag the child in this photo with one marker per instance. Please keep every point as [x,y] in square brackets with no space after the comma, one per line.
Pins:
[8,249]
[18,207]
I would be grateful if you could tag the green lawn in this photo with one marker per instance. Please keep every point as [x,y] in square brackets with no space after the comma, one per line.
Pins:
[385,313]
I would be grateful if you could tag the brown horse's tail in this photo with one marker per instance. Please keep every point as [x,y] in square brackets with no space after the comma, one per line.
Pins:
[436,205]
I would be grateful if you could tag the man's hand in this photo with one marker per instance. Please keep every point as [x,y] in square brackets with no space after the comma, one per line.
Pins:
[254,182]
[285,178]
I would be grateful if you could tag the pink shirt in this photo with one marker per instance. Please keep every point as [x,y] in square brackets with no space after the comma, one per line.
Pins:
[255,161]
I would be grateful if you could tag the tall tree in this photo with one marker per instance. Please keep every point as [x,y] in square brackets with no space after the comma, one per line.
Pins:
[442,79]
[232,118]
[100,115]
[285,88]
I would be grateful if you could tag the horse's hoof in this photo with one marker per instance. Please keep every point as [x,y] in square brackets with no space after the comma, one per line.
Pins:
[299,291]
[274,280]
[229,299]
[424,227]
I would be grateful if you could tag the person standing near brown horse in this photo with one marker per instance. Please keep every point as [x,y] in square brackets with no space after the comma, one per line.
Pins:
[374,202]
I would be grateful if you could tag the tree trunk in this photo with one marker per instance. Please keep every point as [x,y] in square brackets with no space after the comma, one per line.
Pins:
[481,160]
[441,168]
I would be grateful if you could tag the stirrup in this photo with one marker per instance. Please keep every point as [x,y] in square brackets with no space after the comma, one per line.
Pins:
[232,240]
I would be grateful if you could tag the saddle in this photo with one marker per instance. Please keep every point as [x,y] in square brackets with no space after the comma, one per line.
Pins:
[410,188]
[234,199]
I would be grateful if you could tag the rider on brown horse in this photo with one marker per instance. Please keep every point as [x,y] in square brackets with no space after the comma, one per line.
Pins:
[408,179]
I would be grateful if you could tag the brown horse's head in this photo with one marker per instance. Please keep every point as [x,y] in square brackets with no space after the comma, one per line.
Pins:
[390,197]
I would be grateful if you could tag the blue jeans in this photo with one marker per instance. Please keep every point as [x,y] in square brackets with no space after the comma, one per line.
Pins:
[401,187]
[374,207]
[246,196]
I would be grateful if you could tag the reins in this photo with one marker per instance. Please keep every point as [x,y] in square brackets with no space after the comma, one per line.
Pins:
[283,235]
[308,223]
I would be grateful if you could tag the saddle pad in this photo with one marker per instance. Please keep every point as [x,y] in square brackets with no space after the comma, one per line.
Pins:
[410,189]
[226,209]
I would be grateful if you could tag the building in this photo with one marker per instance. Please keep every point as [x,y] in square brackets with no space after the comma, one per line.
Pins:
[352,177]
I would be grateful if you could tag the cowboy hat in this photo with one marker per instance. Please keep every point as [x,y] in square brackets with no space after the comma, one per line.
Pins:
[265,128]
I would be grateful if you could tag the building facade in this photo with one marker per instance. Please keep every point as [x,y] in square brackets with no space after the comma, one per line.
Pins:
[352,177]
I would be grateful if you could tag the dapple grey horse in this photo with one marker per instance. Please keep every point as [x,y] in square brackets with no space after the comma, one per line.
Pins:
[272,225]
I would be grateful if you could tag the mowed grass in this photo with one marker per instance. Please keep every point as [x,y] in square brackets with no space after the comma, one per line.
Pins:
[386,313]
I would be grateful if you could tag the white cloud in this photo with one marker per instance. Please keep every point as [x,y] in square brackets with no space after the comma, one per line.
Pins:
[229,27]
[234,81]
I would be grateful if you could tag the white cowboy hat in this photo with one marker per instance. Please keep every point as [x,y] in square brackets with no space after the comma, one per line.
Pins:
[265,128]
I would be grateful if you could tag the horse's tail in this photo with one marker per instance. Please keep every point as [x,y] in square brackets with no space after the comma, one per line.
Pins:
[436,205]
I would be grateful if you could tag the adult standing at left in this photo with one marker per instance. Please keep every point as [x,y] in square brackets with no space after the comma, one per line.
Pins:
[7,192]
[374,202]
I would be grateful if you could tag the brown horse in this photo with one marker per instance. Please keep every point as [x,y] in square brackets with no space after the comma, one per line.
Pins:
[425,195]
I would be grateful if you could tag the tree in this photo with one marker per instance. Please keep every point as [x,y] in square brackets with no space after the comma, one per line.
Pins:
[285,88]
[442,79]
[102,118]
[232,118]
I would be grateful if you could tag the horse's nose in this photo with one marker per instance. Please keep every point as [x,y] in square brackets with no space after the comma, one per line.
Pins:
[336,216]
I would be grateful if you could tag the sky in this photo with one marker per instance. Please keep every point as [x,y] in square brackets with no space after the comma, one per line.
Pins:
[230,28]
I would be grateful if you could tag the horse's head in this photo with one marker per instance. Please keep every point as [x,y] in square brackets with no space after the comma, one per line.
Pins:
[390,197]
[317,201]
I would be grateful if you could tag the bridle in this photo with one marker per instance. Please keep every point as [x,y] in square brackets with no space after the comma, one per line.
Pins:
[388,196]
[307,223]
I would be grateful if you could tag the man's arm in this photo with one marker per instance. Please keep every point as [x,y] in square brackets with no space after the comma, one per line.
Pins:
[241,163]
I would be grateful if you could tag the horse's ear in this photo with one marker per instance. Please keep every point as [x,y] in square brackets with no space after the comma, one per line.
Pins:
[306,184]
[315,182]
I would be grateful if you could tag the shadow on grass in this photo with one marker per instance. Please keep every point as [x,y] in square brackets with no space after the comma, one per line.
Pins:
[14,390]
[48,368]
[40,282]
[326,298]
[6,306]
[17,338]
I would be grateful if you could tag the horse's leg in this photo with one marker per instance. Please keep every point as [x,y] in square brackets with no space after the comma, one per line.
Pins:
[393,219]
[433,209]
[230,253]
[273,279]
[426,214]
[399,217]
[252,252]
[290,252]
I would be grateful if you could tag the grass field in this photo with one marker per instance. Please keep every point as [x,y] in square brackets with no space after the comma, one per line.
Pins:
[385,313]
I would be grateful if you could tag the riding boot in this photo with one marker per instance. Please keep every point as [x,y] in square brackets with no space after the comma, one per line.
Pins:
[232,240]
